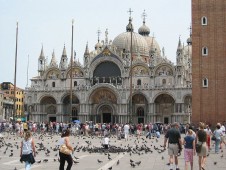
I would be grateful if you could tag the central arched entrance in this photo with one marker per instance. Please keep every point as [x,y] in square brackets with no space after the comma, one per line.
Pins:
[105,112]
[103,102]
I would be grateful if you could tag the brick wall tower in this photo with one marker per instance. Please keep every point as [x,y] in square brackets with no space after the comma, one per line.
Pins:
[208,61]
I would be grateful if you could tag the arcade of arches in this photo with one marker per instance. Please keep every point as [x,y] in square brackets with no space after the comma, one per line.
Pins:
[103,107]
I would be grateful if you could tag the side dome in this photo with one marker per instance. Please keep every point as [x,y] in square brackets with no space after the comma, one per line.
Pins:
[144,30]
[123,42]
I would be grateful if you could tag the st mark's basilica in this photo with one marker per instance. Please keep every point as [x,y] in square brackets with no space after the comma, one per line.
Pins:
[101,88]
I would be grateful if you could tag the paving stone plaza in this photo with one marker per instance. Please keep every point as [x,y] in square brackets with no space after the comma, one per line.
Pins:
[148,151]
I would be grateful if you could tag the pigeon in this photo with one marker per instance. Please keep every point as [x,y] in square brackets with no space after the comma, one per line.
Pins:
[99,161]
[215,163]
[39,161]
[138,163]
[117,162]
[110,168]
[45,160]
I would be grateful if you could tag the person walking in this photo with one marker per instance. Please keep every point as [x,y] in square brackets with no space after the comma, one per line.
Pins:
[201,138]
[64,140]
[173,138]
[217,133]
[189,148]
[27,151]
[209,134]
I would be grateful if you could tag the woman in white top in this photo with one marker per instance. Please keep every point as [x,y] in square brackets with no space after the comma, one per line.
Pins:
[65,157]
[27,148]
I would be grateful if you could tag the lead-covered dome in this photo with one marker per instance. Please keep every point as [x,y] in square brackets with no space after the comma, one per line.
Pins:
[144,30]
[139,45]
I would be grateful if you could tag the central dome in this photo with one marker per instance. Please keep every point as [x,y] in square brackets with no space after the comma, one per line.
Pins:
[139,45]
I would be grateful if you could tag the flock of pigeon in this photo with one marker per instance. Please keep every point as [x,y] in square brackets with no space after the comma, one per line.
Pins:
[47,145]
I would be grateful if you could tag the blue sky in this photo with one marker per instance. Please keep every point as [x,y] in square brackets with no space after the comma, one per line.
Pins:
[48,22]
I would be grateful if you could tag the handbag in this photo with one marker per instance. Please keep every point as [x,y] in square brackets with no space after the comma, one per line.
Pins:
[213,137]
[198,147]
[65,150]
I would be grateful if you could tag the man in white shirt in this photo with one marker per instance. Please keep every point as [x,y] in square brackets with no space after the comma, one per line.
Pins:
[126,131]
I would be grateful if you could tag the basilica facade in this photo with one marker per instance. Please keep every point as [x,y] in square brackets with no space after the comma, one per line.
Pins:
[128,79]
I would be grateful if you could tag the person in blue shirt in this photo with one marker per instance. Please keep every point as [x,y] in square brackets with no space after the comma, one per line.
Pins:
[189,148]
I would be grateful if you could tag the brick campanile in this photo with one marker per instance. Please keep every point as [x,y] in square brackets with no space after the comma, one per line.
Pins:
[208,61]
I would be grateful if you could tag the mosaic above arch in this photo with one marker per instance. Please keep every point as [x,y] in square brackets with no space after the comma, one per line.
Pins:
[164,71]
[76,72]
[140,70]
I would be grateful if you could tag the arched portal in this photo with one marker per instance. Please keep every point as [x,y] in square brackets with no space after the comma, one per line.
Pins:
[105,112]
[71,111]
[164,108]
[103,101]
[140,114]
[48,105]
[139,108]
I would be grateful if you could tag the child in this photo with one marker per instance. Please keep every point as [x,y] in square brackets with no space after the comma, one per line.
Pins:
[106,142]
[189,149]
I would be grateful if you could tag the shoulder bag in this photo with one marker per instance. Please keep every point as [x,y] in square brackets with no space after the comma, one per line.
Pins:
[65,150]
[198,147]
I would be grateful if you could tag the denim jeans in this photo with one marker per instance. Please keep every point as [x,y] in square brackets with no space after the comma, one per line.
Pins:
[217,145]
[27,165]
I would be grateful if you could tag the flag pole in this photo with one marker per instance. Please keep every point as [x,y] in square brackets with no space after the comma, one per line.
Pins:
[15,72]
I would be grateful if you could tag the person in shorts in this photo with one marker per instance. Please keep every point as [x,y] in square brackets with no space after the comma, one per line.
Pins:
[173,138]
[189,148]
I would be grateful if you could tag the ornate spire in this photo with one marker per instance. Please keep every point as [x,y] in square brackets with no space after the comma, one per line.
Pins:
[106,37]
[189,40]
[86,50]
[129,27]
[179,44]
[42,53]
[64,51]
[53,61]
[144,15]
[98,35]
